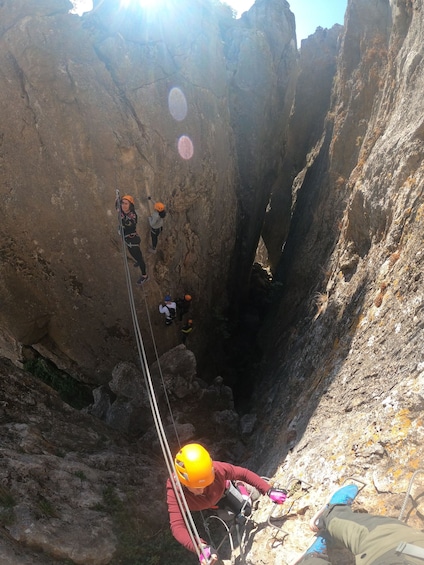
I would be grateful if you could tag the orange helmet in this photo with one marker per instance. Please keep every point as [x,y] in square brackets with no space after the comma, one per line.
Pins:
[129,198]
[194,466]
[159,206]
[187,297]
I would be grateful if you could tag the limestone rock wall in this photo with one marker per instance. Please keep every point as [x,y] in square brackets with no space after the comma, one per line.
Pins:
[263,66]
[317,68]
[342,395]
[85,110]
[122,100]
[76,489]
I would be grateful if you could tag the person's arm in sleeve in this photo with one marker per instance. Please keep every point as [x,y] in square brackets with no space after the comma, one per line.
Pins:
[176,520]
[241,474]
[235,473]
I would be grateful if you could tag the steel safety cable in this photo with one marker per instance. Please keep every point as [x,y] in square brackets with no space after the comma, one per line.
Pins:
[177,487]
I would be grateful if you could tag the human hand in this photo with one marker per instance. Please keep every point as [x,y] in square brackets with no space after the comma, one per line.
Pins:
[277,495]
[208,555]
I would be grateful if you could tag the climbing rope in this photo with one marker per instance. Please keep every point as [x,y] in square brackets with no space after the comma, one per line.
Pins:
[169,460]
[168,403]
[134,314]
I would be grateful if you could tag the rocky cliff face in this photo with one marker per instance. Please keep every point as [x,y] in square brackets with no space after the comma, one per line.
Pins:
[344,363]
[123,100]
[263,64]
[340,394]
[85,111]
[317,67]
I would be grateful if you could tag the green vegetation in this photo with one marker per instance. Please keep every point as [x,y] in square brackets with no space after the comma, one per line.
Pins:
[46,509]
[7,502]
[80,475]
[70,390]
[6,497]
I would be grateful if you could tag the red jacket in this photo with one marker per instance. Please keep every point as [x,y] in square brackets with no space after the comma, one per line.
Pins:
[211,495]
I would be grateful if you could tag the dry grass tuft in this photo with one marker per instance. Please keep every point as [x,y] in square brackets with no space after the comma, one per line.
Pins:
[321,303]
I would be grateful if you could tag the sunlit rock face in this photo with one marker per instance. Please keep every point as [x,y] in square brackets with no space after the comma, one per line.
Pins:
[341,392]
[129,100]
[317,68]
[86,111]
[263,63]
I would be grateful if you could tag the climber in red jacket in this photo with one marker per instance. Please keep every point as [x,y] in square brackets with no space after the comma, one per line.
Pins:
[205,483]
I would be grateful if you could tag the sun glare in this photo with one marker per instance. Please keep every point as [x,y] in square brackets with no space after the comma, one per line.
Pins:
[177,103]
[135,3]
[82,6]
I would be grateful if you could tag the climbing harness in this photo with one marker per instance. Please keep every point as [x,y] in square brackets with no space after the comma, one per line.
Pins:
[237,526]
[410,549]
[176,485]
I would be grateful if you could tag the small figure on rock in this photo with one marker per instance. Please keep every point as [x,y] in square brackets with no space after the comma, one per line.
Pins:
[156,222]
[128,226]
[186,330]
[183,305]
[169,308]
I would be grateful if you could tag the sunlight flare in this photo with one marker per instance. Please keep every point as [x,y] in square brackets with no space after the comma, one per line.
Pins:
[139,3]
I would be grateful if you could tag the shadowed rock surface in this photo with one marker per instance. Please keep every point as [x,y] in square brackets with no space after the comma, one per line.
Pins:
[339,379]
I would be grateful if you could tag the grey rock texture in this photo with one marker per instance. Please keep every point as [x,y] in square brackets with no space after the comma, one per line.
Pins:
[342,396]
[339,392]
[87,491]
[85,111]
[55,465]
[263,63]
[317,68]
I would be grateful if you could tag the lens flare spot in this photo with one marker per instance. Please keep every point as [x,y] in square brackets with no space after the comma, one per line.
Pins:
[177,104]
[185,147]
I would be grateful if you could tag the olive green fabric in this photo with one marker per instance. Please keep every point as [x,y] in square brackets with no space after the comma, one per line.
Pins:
[372,539]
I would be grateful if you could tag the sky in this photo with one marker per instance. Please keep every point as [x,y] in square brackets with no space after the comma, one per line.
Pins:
[309,14]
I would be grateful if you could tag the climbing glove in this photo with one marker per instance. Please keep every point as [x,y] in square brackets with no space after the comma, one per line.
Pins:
[207,554]
[277,495]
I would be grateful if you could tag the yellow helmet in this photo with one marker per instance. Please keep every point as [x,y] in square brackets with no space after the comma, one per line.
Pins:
[194,466]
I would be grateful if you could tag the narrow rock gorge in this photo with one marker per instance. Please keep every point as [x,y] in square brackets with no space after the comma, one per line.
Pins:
[293,184]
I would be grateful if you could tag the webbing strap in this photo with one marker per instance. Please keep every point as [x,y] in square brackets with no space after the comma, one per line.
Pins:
[410,549]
